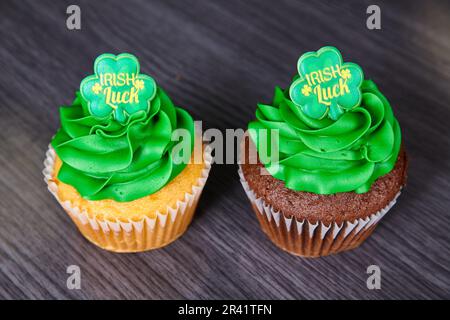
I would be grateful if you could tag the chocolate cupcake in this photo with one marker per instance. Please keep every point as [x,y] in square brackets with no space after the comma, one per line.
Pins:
[330,162]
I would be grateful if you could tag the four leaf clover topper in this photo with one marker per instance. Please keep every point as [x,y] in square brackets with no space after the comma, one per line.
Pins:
[117,87]
[327,86]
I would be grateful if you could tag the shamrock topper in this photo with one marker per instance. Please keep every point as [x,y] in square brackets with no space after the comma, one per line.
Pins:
[117,87]
[327,85]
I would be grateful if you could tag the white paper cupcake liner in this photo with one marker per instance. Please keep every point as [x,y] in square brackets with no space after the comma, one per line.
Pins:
[133,235]
[308,239]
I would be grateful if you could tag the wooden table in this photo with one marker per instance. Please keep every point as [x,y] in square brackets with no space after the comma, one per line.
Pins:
[218,59]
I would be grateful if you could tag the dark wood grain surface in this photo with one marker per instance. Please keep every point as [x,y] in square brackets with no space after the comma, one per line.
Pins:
[218,59]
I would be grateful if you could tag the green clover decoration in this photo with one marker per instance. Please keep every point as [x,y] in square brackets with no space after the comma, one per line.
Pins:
[327,86]
[117,87]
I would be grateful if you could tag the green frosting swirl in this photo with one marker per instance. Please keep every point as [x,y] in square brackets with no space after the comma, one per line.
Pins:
[105,159]
[325,156]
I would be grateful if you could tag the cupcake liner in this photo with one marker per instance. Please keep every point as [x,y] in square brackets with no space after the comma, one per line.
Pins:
[307,239]
[133,235]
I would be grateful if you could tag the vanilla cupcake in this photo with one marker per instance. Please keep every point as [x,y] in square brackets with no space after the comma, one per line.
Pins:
[113,164]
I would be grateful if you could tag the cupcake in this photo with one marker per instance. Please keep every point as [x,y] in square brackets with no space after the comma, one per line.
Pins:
[328,158]
[121,164]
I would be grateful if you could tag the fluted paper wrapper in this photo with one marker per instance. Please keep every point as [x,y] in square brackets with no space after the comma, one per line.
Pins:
[133,236]
[307,239]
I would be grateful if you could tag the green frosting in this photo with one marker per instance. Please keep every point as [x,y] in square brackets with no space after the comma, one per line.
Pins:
[325,156]
[104,158]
